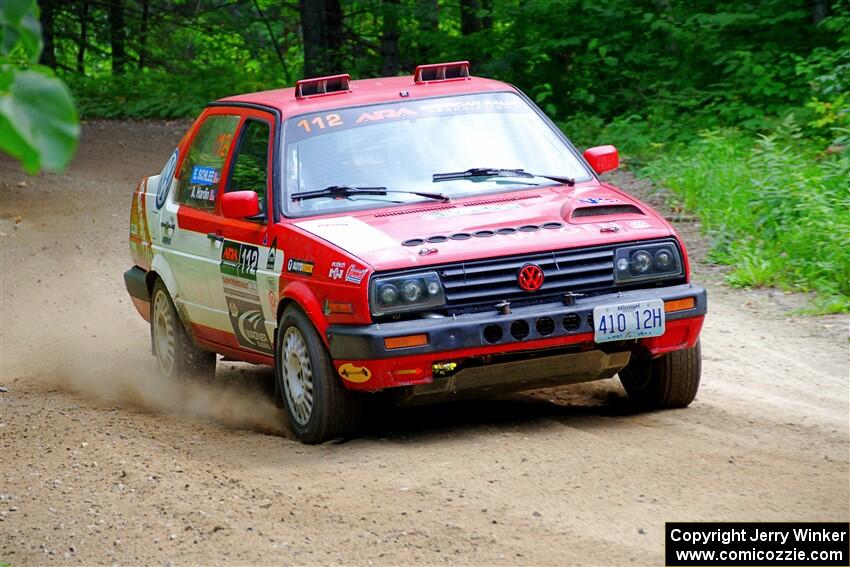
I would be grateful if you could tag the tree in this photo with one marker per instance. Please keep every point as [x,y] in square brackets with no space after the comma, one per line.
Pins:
[48,53]
[389,38]
[84,29]
[116,36]
[321,29]
[471,18]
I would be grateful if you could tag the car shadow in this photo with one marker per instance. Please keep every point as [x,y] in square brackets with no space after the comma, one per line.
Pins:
[574,405]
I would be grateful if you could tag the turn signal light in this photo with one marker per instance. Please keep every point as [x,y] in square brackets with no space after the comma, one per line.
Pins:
[406,341]
[679,304]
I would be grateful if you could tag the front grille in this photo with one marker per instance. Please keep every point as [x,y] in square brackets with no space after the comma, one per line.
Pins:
[490,281]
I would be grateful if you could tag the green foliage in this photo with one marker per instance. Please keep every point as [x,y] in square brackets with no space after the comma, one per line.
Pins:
[38,123]
[775,207]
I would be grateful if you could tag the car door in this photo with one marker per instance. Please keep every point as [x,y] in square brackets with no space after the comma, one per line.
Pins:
[250,262]
[188,222]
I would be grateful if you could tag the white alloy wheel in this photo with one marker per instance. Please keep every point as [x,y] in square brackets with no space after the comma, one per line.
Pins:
[298,375]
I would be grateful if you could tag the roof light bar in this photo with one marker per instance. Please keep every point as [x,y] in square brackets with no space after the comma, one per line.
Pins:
[438,72]
[321,86]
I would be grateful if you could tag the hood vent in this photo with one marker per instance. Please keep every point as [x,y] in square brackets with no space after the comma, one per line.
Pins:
[501,200]
[444,207]
[603,210]
[414,211]
[438,238]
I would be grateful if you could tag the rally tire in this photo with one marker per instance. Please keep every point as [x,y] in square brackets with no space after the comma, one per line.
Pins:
[669,381]
[176,355]
[302,366]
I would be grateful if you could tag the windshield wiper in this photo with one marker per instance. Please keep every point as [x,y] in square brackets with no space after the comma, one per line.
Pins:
[495,172]
[337,191]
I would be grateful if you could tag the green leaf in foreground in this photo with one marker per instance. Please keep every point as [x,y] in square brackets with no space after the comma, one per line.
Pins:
[19,25]
[38,123]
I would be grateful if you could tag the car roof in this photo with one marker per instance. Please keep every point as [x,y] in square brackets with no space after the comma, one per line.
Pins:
[367,91]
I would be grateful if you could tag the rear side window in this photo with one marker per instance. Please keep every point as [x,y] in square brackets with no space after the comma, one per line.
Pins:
[250,169]
[200,174]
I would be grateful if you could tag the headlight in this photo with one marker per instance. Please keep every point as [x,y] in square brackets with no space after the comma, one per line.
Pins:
[646,262]
[396,294]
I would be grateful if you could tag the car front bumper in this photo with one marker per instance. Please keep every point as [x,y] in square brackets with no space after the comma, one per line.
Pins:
[558,336]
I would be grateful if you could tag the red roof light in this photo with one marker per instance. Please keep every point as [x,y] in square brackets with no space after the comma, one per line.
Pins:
[438,72]
[321,86]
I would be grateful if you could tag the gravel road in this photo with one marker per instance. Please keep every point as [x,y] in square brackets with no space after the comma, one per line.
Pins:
[103,462]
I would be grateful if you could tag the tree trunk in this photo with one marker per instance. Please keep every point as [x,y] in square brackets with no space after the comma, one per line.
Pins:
[116,36]
[313,32]
[143,36]
[321,28]
[84,32]
[333,22]
[389,38]
[469,20]
[48,54]
[820,10]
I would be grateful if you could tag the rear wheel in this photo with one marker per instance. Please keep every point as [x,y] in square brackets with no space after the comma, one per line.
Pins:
[669,381]
[318,405]
[176,355]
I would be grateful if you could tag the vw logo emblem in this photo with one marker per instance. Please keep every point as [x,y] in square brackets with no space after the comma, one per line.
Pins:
[165,179]
[530,277]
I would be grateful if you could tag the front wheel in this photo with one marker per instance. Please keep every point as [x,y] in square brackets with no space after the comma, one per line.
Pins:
[319,407]
[176,355]
[669,381]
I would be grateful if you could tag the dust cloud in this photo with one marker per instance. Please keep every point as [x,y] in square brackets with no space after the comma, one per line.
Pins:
[240,396]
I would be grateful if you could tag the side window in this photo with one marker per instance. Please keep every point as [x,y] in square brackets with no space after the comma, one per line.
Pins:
[250,170]
[200,174]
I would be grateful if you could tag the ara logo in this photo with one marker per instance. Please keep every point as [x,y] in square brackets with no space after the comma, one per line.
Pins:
[272,259]
[384,113]
[165,178]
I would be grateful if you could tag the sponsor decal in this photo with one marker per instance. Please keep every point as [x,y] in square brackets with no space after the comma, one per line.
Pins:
[239,260]
[639,224]
[473,210]
[165,178]
[356,374]
[200,194]
[355,274]
[272,259]
[239,280]
[248,322]
[384,113]
[300,267]
[336,270]
[350,234]
[597,200]
[203,175]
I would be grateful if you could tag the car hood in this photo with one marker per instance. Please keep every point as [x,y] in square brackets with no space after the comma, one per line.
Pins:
[543,218]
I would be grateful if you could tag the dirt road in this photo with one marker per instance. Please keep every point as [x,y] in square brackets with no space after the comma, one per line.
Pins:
[102,462]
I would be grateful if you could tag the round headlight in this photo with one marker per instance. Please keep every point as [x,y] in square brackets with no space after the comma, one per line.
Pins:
[411,291]
[641,262]
[433,288]
[664,260]
[622,264]
[388,294]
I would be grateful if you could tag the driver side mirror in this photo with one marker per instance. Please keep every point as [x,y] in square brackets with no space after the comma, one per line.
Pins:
[240,204]
[602,158]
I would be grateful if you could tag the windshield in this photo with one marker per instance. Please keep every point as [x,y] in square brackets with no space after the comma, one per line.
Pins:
[401,146]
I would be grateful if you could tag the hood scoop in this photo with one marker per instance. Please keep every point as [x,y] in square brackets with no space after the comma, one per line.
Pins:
[504,231]
[603,210]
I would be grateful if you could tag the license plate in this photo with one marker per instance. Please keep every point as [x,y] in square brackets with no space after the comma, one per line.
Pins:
[625,321]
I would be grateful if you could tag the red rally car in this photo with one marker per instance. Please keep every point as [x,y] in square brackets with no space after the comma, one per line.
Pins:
[429,236]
